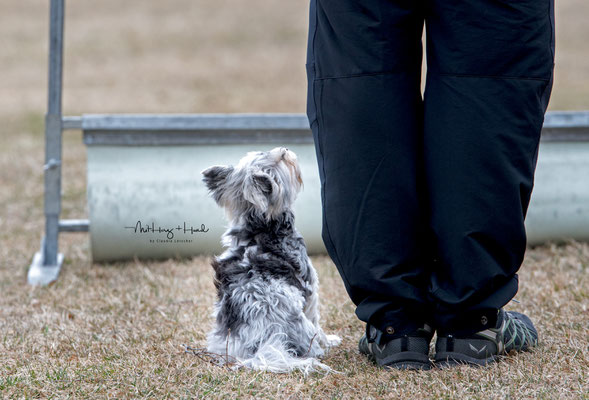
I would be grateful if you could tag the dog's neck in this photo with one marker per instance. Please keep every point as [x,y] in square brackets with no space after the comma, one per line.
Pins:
[251,225]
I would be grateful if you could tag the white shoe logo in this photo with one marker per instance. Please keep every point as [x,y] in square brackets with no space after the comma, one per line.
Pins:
[371,346]
[477,350]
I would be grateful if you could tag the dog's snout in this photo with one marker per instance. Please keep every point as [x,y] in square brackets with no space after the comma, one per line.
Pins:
[283,152]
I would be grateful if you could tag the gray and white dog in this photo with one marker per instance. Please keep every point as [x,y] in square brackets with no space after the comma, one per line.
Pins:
[267,314]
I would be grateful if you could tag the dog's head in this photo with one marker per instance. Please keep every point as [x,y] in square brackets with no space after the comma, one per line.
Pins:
[265,183]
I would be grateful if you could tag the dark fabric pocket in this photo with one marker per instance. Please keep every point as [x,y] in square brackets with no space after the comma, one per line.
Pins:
[311,104]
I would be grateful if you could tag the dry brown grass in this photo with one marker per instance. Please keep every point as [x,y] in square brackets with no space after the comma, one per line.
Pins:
[116,331]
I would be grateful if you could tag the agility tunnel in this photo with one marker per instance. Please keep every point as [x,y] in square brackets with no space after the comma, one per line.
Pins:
[146,197]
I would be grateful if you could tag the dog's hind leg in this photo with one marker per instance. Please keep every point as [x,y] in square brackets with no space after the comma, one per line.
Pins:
[312,313]
[275,324]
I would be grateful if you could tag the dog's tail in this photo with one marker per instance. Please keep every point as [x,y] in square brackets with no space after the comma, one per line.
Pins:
[273,356]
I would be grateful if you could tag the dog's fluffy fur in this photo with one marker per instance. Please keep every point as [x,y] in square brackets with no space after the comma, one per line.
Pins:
[267,315]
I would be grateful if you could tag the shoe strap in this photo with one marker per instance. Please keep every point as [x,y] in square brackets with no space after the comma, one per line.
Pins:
[495,335]
[374,335]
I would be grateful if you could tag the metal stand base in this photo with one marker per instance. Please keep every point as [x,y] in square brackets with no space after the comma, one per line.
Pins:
[43,275]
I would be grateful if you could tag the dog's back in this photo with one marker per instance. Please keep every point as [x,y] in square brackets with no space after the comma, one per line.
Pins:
[263,286]
[266,313]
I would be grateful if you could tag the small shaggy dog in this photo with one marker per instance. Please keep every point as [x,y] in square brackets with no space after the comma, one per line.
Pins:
[267,315]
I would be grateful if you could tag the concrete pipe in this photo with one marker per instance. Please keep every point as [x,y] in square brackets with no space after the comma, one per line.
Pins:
[559,207]
[146,197]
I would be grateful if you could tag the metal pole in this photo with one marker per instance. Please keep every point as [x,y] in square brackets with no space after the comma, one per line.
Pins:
[47,262]
[53,131]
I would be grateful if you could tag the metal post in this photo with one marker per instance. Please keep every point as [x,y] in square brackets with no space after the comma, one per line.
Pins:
[47,262]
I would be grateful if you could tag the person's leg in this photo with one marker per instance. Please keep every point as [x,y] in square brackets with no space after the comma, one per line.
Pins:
[489,78]
[365,111]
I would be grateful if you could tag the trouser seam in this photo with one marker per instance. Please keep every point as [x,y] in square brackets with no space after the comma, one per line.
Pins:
[360,75]
[526,78]
[319,123]
[319,126]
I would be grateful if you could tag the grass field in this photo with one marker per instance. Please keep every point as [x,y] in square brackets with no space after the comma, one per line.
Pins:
[117,331]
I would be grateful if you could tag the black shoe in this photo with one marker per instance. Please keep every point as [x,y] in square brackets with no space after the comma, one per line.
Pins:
[514,331]
[406,352]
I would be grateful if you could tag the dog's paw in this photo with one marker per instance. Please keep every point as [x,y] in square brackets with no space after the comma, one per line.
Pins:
[332,340]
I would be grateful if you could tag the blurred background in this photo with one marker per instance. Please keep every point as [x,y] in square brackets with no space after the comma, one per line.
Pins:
[177,56]
[200,56]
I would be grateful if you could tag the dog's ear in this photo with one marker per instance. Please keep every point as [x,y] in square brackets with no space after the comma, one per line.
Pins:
[214,177]
[258,189]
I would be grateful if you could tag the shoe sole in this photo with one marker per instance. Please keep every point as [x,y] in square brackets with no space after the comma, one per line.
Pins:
[409,366]
[452,359]
[406,360]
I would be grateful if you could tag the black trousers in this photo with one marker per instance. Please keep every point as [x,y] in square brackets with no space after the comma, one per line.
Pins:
[424,197]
